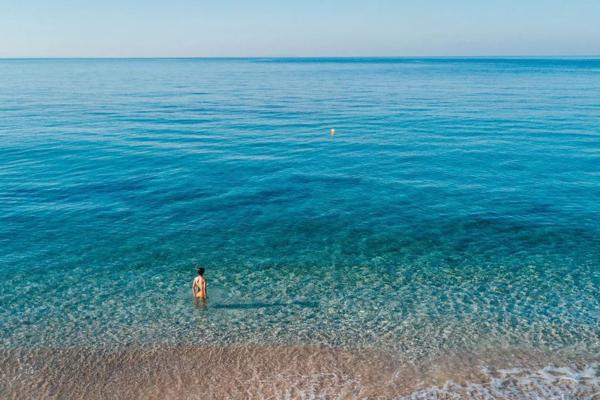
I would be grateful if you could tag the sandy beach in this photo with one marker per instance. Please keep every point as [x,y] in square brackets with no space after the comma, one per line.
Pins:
[261,372]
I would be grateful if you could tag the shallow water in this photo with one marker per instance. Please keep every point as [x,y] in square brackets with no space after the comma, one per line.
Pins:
[286,372]
[455,211]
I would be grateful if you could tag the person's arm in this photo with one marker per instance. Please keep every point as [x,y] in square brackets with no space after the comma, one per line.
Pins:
[204,288]
[194,288]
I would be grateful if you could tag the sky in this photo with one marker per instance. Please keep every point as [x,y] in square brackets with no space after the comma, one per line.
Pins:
[230,28]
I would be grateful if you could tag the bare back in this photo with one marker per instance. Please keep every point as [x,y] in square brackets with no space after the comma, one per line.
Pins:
[199,287]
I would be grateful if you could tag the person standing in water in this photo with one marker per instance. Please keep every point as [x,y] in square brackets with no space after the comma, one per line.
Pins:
[199,286]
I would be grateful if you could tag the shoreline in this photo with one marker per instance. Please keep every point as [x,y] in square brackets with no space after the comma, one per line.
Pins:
[295,372]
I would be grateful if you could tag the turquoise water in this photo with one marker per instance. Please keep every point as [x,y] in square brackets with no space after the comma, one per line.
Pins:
[457,207]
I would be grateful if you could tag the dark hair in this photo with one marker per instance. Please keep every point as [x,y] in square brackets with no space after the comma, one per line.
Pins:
[200,271]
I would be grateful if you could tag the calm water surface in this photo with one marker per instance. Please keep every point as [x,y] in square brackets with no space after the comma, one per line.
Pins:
[457,207]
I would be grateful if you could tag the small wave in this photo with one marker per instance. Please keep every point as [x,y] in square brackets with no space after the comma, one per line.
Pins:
[549,383]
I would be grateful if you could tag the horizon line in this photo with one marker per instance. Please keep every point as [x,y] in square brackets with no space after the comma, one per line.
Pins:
[549,56]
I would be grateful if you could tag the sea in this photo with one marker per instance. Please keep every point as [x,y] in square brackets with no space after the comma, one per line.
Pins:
[442,242]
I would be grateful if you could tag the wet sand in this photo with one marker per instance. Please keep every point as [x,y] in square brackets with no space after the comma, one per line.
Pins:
[272,372]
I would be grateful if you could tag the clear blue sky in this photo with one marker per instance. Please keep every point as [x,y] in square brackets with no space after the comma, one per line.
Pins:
[70,28]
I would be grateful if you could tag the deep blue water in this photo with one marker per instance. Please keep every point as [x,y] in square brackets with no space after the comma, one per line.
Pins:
[457,207]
